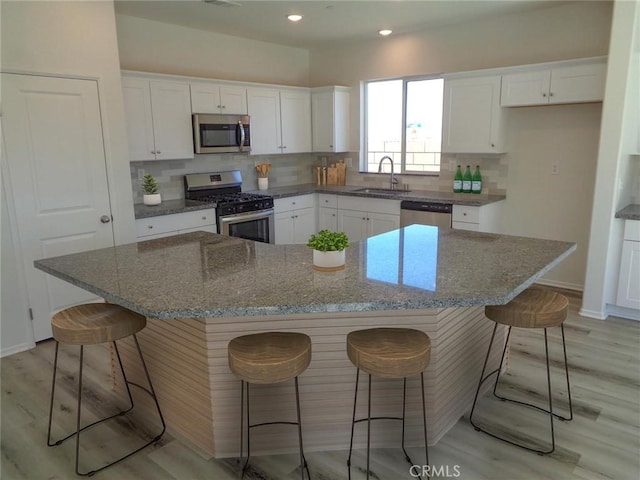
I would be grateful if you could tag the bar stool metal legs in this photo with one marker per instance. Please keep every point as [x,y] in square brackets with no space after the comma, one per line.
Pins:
[303,460]
[150,391]
[369,418]
[540,450]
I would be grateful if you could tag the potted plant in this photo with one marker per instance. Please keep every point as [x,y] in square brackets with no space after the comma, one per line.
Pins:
[150,188]
[328,250]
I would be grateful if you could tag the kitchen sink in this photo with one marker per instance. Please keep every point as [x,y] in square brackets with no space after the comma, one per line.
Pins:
[386,191]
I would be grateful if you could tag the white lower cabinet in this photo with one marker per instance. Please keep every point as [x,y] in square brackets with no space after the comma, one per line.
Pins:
[166,225]
[327,212]
[629,276]
[295,219]
[485,218]
[361,218]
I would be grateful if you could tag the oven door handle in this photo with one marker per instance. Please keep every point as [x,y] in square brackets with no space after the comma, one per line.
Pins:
[243,217]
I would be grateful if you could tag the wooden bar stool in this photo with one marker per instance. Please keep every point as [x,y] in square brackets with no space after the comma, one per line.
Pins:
[264,358]
[533,308]
[90,324]
[388,353]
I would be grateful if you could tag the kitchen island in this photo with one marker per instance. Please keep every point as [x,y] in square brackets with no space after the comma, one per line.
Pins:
[199,290]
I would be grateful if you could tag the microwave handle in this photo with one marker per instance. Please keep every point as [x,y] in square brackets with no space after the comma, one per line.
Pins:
[240,130]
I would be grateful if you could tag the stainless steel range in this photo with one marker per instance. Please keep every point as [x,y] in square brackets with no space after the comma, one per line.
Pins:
[238,214]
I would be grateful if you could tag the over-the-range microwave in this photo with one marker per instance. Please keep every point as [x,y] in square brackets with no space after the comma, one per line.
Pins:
[221,133]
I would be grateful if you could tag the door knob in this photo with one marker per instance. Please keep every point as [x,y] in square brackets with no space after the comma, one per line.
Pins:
[105,218]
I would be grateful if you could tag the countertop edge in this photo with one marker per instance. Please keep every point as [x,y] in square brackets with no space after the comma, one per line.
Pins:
[169,207]
[630,212]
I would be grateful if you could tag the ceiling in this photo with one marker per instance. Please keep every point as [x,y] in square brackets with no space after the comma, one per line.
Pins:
[325,23]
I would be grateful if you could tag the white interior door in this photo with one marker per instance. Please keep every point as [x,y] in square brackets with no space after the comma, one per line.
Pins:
[56,164]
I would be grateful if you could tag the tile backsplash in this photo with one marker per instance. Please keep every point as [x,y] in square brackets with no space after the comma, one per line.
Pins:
[298,168]
[285,170]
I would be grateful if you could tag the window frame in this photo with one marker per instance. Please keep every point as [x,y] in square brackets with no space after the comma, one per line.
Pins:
[403,139]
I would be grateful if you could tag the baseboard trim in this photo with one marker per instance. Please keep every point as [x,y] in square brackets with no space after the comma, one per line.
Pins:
[624,312]
[598,315]
[17,349]
[565,285]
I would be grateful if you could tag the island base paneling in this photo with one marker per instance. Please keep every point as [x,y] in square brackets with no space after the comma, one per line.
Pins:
[200,397]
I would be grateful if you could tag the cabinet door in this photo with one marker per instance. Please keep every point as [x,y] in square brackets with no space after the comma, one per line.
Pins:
[138,118]
[381,223]
[322,113]
[205,98]
[283,226]
[629,277]
[295,111]
[580,83]
[233,100]
[528,88]
[304,224]
[327,219]
[171,107]
[264,109]
[353,223]
[472,117]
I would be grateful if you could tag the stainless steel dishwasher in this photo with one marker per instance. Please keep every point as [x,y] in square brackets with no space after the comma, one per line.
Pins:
[425,213]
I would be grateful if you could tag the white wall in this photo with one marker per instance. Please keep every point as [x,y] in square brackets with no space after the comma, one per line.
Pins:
[77,39]
[617,169]
[151,46]
[538,204]
[74,39]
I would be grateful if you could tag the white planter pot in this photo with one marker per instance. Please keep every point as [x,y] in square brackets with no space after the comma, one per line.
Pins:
[328,261]
[153,199]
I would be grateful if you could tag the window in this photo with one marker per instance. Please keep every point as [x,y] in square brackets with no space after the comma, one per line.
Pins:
[403,120]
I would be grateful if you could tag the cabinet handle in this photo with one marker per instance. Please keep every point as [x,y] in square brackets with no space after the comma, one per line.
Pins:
[224,106]
[330,146]
[150,227]
[464,214]
[219,106]
[158,152]
[153,152]
[551,94]
[204,218]
[544,94]
[333,214]
[493,145]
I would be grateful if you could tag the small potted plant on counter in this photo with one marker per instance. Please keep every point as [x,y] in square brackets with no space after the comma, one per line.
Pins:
[328,250]
[150,188]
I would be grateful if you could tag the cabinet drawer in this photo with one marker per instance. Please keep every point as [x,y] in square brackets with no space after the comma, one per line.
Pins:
[464,213]
[632,230]
[293,203]
[327,200]
[369,204]
[474,227]
[177,221]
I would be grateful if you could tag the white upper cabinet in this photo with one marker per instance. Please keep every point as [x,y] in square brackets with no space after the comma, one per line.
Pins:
[280,120]
[295,115]
[330,119]
[158,118]
[561,84]
[472,117]
[216,98]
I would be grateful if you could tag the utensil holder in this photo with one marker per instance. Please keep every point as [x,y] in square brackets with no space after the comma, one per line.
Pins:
[263,183]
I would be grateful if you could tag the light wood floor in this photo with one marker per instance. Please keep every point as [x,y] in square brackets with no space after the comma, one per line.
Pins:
[602,442]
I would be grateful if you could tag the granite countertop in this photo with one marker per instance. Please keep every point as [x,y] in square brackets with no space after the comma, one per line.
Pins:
[630,212]
[208,275]
[415,195]
[168,207]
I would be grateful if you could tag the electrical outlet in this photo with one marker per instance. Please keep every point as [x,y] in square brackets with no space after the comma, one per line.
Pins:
[555,169]
[141,173]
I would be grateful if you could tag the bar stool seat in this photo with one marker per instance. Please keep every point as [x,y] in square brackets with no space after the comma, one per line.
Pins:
[266,358]
[388,353]
[90,324]
[270,357]
[533,308]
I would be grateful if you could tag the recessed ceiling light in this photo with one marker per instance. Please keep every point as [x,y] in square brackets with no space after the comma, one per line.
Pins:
[384,33]
[294,18]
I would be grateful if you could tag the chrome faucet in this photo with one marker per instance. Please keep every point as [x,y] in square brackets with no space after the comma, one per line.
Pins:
[393,182]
